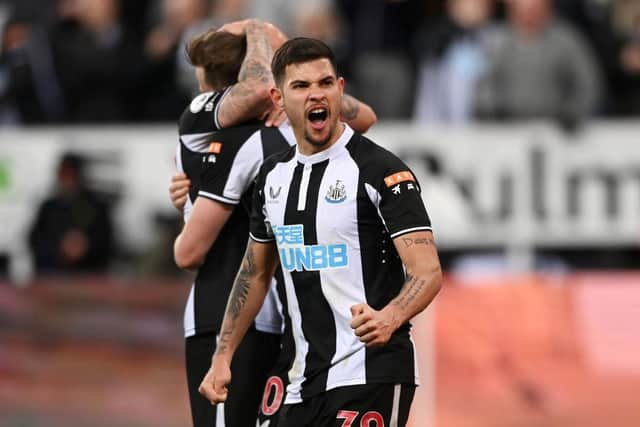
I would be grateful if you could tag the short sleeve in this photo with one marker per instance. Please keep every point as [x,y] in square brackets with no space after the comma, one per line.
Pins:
[260,227]
[230,167]
[399,199]
[201,116]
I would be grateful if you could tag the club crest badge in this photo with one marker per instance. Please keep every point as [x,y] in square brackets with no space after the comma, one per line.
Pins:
[337,193]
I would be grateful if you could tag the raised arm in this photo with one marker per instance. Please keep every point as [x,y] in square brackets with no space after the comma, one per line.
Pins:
[246,298]
[357,114]
[418,253]
[249,97]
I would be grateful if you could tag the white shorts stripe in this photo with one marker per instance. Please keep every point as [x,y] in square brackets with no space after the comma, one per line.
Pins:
[395,408]
[220,415]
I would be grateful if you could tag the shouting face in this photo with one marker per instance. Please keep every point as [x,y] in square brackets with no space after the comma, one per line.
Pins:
[311,94]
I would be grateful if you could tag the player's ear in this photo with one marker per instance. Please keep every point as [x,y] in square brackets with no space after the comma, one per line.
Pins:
[276,97]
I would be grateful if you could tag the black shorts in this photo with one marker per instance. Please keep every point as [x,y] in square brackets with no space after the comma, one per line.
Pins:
[275,390]
[251,364]
[369,405]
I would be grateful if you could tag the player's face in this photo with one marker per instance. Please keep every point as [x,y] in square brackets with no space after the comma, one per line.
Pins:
[311,95]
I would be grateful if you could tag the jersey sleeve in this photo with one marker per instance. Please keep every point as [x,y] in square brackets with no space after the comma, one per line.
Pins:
[260,227]
[229,168]
[398,198]
[201,116]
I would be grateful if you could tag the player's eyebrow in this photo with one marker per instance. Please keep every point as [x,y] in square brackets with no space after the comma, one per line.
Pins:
[325,79]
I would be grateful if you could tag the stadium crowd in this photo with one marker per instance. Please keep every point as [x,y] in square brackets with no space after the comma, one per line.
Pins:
[111,61]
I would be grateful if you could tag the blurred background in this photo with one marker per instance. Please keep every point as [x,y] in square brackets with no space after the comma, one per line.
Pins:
[518,117]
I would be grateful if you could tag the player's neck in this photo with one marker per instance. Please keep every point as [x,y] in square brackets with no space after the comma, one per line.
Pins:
[307,148]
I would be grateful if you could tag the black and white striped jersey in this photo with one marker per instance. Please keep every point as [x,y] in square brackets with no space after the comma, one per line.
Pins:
[222,165]
[333,216]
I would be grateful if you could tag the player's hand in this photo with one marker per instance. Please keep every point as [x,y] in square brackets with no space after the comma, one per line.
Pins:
[274,116]
[214,385]
[236,27]
[276,36]
[179,190]
[373,327]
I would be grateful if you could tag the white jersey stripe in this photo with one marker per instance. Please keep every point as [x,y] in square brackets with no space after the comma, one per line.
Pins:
[197,142]
[375,198]
[296,373]
[244,167]
[304,186]
[347,366]
[186,210]
[189,316]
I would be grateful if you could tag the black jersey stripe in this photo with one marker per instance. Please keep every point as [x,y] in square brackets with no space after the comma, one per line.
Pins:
[308,286]
[383,273]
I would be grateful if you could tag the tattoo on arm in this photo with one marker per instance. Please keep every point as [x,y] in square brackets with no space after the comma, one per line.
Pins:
[420,241]
[350,107]
[412,287]
[241,286]
[238,297]
[246,99]
[257,63]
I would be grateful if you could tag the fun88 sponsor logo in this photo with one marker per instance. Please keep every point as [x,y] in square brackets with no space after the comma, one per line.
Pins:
[296,256]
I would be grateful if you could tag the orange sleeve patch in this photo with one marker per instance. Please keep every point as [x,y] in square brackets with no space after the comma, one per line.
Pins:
[399,177]
[215,147]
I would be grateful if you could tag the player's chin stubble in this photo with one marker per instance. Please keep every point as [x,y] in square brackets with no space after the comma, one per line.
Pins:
[317,142]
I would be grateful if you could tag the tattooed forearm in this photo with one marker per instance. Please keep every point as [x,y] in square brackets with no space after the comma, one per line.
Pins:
[223,342]
[254,70]
[240,291]
[420,241]
[350,107]
[257,63]
[412,287]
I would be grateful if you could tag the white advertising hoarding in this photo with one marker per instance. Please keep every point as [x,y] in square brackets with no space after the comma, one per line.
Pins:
[516,186]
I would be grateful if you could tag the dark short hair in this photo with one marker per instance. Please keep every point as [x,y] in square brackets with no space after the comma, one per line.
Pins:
[297,51]
[220,54]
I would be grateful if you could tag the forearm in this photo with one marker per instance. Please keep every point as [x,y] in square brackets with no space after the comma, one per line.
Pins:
[246,298]
[356,114]
[276,36]
[256,67]
[249,97]
[416,295]
[189,259]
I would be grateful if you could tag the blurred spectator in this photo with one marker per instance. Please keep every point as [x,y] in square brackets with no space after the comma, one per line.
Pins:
[378,60]
[29,88]
[540,68]
[73,228]
[97,61]
[164,94]
[625,80]
[452,56]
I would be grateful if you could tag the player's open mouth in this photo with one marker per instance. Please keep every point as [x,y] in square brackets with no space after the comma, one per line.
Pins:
[317,117]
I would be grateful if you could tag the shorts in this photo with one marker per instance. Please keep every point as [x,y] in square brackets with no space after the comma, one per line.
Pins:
[368,405]
[275,390]
[251,364]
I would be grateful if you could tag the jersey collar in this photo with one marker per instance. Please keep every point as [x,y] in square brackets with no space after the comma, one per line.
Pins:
[330,152]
